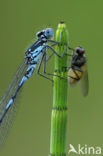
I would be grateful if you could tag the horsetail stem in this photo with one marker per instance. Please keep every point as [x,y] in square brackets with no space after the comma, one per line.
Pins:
[60,87]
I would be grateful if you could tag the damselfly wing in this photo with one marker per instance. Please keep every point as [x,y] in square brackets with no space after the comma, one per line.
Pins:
[7,120]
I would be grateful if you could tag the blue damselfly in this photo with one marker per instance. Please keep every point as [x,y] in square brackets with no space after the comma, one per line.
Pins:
[38,51]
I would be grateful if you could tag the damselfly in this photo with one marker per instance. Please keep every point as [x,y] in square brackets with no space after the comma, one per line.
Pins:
[38,51]
[78,70]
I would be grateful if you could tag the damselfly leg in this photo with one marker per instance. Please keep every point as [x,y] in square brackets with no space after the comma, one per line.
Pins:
[44,59]
[50,47]
[38,71]
[55,43]
[50,73]
[44,69]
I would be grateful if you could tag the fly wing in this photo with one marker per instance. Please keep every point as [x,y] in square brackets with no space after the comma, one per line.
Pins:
[84,82]
[5,124]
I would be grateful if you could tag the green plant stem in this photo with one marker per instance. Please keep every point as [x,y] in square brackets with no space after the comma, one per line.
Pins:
[60,87]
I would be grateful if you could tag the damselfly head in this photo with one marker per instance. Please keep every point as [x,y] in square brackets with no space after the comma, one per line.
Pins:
[48,32]
[80,50]
[40,33]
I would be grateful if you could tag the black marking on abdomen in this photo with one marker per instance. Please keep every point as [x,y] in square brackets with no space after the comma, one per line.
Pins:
[34,62]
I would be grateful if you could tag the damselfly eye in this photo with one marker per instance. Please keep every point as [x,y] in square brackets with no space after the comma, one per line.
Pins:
[48,31]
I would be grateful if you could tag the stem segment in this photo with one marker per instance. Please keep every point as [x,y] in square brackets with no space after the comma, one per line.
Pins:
[59,111]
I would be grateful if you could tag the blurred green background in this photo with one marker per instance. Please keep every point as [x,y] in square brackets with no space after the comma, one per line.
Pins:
[19,21]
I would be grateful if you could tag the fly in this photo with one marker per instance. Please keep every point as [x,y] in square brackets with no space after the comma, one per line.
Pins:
[78,70]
